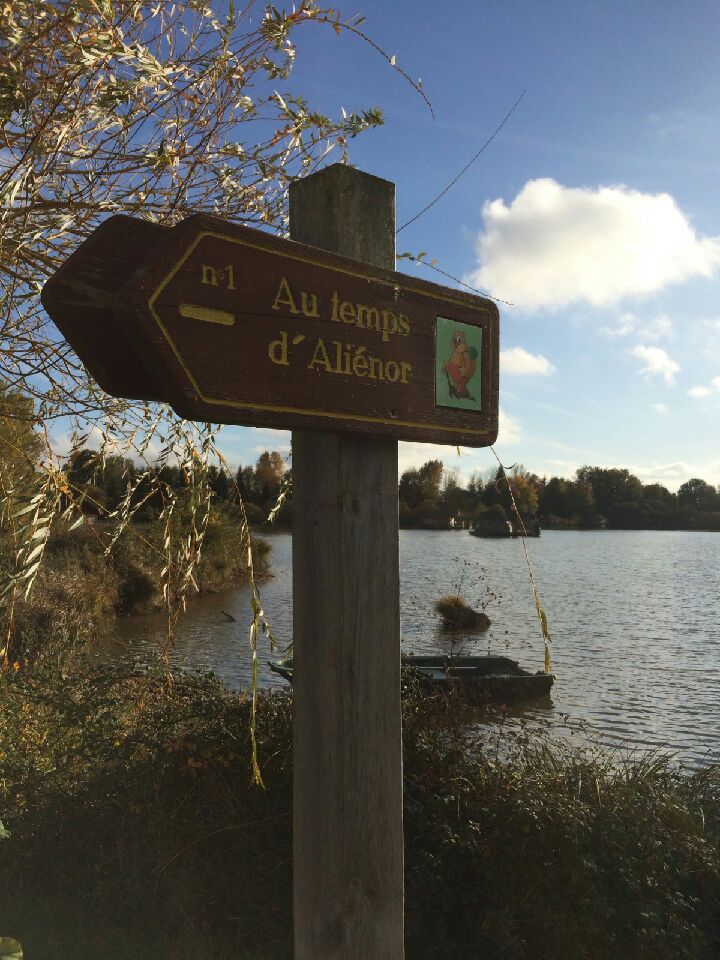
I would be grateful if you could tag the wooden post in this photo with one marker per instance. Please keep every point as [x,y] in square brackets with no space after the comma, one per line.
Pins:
[347,760]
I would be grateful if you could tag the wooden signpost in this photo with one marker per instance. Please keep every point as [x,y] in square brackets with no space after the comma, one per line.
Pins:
[320,335]
[232,325]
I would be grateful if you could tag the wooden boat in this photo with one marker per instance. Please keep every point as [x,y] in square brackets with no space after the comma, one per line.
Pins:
[490,678]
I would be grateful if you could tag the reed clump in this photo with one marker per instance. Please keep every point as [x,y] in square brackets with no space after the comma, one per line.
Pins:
[135,831]
[457,614]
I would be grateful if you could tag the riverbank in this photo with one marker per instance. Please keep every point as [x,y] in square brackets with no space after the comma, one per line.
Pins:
[80,588]
[134,831]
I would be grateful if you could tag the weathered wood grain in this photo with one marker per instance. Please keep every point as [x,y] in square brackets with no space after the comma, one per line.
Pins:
[347,804]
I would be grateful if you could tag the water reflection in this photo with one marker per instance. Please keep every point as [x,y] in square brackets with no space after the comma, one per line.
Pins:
[635,618]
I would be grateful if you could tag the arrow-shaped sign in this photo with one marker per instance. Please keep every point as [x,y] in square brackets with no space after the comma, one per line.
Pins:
[234,325]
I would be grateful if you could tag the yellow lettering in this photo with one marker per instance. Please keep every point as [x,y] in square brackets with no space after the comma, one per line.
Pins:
[284,297]
[347,312]
[392,371]
[377,371]
[405,369]
[227,274]
[360,363]
[404,324]
[320,357]
[278,350]
[309,304]
[368,316]
[338,356]
[335,299]
[390,324]
[209,275]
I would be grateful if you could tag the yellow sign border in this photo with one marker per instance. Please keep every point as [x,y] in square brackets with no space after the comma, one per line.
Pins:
[272,408]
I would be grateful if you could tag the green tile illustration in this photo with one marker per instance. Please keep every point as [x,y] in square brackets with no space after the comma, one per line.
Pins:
[458,352]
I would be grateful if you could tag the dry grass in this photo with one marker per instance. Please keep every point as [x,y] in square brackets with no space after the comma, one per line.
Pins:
[457,615]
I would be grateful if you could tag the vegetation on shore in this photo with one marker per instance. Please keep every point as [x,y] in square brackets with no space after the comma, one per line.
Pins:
[82,583]
[134,831]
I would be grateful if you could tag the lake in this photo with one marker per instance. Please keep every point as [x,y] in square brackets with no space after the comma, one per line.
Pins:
[634,615]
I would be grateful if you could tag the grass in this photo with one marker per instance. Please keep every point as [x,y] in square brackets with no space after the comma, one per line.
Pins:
[458,615]
[135,832]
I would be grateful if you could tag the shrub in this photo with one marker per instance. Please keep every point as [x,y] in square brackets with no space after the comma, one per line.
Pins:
[457,615]
[79,588]
[134,831]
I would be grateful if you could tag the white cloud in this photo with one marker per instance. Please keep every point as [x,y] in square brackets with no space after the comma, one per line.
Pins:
[273,432]
[63,443]
[657,328]
[555,245]
[657,362]
[524,364]
[699,392]
[660,407]
[510,430]
[672,475]
[626,326]
[413,454]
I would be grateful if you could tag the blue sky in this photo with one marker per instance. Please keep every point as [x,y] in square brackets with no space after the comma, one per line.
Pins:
[595,211]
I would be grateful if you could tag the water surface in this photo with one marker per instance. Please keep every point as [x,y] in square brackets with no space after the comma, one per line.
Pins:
[635,619]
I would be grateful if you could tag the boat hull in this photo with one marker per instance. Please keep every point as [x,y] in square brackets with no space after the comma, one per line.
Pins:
[478,678]
[482,678]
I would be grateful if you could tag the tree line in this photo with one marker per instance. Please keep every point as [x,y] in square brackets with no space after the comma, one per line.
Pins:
[104,483]
[431,497]
[596,497]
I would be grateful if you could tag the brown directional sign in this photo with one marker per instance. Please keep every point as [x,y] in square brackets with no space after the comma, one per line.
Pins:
[234,325]
[80,298]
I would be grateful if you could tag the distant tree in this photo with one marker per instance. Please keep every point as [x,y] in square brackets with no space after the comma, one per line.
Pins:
[610,486]
[430,476]
[699,495]
[567,499]
[20,445]
[113,477]
[171,475]
[82,466]
[423,484]
[524,490]
[247,485]
[409,491]
[220,485]
[476,484]
[658,506]
[109,475]
[455,499]
[269,472]
[657,493]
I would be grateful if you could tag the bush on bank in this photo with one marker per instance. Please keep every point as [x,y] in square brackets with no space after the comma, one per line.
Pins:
[79,587]
[134,831]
